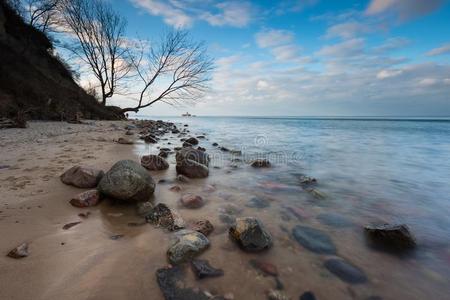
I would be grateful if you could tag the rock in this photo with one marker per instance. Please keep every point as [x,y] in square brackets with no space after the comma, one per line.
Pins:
[130,127]
[201,136]
[84,215]
[70,225]
[395,237]
[227,219]
[192,201]
[129,132]
[307,296]
[163,154]
[186,145]
[154,163]
[236,152]
[209,188]
[345,271]
[124,141]
[203,269]
[265,267]
[86,199]
[175,188]
[313,239]
[261,163]
[250,234]
[334,220]
[192,141]
[144,208]
[224,149]
[182,178]
[203,226]
[116,237]
[163,216]
[20,251]
[127,181]
[82,177]
[257,202]
[316,193]
[172,287]
[215,144]
[188,245]
[277,295]
[306,181]
[201,149]
[192,169]
[150,139]
[193,154]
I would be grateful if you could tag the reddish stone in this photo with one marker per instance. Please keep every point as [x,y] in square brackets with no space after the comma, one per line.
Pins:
[203,226]
[86,199]
[192,201]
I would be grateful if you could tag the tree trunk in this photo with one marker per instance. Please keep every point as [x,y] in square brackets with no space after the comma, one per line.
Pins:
[124,110]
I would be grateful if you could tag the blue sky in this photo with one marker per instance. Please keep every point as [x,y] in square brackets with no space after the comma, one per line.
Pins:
[310,57]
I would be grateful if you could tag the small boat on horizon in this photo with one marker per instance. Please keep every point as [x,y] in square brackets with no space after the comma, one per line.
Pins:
[187,114]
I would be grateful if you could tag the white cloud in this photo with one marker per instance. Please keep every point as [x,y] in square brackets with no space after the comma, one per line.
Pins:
[344,49]
[384,74]
[273,37]
[405,9]
[182,14]
[445,49]
[346,30]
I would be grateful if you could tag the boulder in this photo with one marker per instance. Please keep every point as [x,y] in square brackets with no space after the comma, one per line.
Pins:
[192,169]
[192,201]
[189,244]
[82,177]
[203,226]
[86,199]
[250,234]
[345,271]
[193,154]
[391,236]
[127,181]
[313,239]
[261,163]
[154,163]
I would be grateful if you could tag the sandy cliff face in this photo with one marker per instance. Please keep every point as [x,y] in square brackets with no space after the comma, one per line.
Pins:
[32,79]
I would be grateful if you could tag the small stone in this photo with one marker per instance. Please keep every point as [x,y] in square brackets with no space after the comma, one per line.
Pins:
[261,163]
[395,237]
[84,215]
[257,202]
[209,188]
[192,141]
[345,271]
[250,234]
[313,239]
[163,216]
[228,296]
[172,287]
[215,144]
[203,226]
[70,225]
[125,141]
[307,296]
[20,251]
[306,181]
[86,199]
[116,237]
[224,149]
[144,208]
[192,201]
[334,220]
[265,267]
[150,139]
[182,178]
[175,188]
[188,245]
[129,132]
[203,269]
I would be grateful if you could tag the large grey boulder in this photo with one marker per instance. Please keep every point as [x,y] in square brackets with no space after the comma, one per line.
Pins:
[127,181]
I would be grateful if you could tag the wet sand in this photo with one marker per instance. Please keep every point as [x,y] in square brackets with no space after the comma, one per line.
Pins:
[85,263]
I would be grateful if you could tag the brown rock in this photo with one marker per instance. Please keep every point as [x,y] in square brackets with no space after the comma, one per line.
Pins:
[265,267]
[203,226]
[261,163]
[20,251]
[175,188]
[192,169]
[82,177]
[124,141]
[86,199]
[154,163]
[192,201]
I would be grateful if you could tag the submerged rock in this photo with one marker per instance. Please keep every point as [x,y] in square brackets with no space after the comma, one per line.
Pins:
[192,201]
[250,234]
[82,177]
[154,162]
[334,220]
[127,181]
[188,245]
[196,155]
[345,271]
[86,199]
[144,208]
[203,226]
[172,286]
[313,239]
[20,251]
[192,169]
[182,178]
[163,216]
[261,163]
[192,141]
[257,202]
[306,181]
[391,236]
[265,267]
[202,269]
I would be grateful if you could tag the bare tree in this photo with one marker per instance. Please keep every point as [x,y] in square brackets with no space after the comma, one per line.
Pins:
[174,72]
[99,42]
[41,14]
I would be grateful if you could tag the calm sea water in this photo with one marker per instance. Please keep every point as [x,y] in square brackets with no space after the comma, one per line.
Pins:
[370,170]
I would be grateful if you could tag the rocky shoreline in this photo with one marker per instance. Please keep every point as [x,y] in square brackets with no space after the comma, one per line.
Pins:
[132,183]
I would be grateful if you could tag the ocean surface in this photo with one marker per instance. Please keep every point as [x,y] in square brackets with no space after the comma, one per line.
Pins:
[368,171]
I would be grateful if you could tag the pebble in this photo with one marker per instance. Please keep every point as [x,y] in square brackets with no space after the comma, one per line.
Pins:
[345,271]
[313,239]
[70,225]
[20,251]
[192,201]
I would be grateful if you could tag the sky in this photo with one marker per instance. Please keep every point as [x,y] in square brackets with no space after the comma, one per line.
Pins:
[309,57]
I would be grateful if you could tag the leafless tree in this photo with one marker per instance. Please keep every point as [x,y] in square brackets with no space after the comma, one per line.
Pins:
[176,71]
[41,14]
[99,42]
